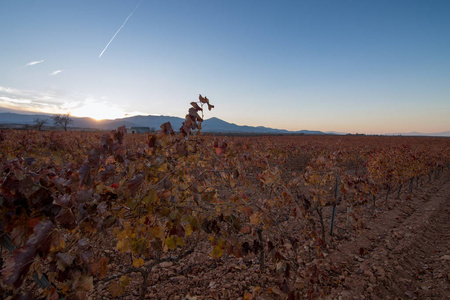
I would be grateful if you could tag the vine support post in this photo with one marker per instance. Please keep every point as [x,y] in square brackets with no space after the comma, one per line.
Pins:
[387,195]
[261,249]
[374,203]
[399,190]
[333,213]
[411,185]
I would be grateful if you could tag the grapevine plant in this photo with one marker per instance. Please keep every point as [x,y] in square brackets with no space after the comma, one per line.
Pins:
[75,205]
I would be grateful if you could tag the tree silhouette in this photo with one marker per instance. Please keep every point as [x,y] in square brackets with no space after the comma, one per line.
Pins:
[62,121]
[39,123]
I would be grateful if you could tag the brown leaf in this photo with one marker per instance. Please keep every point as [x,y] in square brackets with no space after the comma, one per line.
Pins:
[166,129]
[100,267]
[135,183]
[86,283]
[195,105]
[205,100]
[16,268]
[66,218]
[108,172]
[64,260]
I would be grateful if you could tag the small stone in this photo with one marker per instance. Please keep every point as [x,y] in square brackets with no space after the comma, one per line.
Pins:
[178,278]
[409,294]
[166,264]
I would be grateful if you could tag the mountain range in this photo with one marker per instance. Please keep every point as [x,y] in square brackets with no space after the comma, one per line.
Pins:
[212,125]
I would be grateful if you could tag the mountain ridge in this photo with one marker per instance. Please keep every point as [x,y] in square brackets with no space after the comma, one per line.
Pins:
[211,125]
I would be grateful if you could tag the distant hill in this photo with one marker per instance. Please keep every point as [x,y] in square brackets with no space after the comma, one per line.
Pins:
[212,125]
[415,133]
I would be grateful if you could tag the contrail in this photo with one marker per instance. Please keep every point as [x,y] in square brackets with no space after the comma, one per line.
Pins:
[120,28]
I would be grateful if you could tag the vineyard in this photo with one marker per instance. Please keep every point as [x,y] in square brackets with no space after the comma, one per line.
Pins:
[178,214]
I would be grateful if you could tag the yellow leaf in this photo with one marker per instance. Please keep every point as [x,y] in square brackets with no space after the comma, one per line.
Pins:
[248,296]
[123,245]
[188,229]
[125,280]
[138,262]
[151,198]
[171,242]
[217,252]
[157,231]
[116,289]
[180,241]
[138,246]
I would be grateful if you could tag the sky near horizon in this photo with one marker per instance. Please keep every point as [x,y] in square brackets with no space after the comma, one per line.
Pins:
[349,66]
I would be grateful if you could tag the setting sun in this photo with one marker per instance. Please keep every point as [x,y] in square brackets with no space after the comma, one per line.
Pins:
[98,110]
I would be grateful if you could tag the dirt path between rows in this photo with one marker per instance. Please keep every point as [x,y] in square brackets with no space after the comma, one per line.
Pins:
[404,252]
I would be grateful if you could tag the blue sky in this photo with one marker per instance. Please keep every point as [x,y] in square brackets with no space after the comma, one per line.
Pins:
[349,66]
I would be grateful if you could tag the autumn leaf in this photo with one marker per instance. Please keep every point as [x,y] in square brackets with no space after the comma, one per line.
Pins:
[138,246]
[116,289]
[64,260]
[138,262]
[108,172]
[100,267]
[188,229]
[135,183]
[205,100]
[255,219]
[217,252]
[16,267]
[195,105]
[246,229]
[166,129]
[173,241]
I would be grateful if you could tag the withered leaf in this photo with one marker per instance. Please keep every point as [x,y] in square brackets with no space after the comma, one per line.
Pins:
[16,268]
[205,100]
[64,259]
[108,172]
[135,183]
[195,105]
[167,129]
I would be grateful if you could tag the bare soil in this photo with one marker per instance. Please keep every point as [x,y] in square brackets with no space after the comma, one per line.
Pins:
[404,253]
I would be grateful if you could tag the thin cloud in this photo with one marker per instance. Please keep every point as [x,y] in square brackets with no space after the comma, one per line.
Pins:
[32,63]
[15,101]
[55,72]
[53,101]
